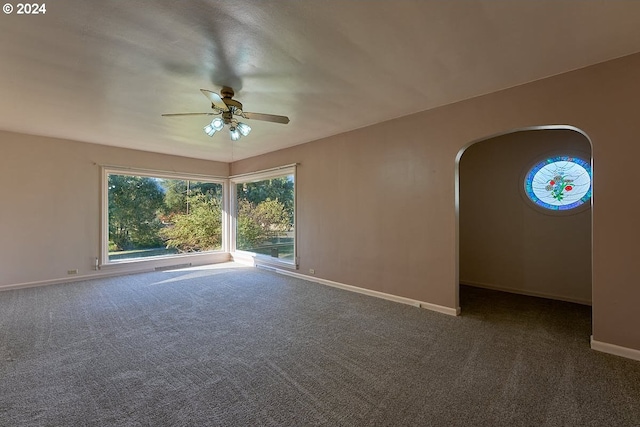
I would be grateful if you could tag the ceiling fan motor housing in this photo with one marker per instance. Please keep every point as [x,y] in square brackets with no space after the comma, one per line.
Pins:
[235,107]
[227,116]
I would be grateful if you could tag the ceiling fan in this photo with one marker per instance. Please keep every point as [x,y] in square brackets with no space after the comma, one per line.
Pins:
[228,109]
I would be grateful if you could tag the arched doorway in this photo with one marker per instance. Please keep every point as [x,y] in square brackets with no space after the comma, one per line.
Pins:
[507,243]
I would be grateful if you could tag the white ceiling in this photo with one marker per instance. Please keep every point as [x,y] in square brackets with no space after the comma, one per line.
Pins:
[104,72]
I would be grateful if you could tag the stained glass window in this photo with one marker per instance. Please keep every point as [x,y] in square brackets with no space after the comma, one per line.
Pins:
[559,183]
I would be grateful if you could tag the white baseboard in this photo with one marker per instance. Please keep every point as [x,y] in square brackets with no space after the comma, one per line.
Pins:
[71,279]
[525,292]
[616,350]
[144,266]
[369,292]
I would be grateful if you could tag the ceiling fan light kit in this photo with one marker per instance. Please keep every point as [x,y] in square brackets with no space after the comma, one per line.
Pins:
[233,132]
[228,108]
[216,125]
[244,129]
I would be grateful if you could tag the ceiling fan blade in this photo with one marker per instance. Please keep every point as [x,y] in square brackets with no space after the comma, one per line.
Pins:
[189,114]
[215,100]
[266,117]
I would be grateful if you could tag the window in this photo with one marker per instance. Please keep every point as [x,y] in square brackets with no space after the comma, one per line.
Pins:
[559,183]
[264,223]
[160,215]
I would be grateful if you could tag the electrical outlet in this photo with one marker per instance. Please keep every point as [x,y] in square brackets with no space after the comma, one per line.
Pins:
[312,271]
[74,271]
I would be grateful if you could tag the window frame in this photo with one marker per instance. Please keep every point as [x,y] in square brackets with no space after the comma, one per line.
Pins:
[277,172]
[104,212]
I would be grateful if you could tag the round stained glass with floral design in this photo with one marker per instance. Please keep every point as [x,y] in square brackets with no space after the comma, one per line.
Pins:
[559,183]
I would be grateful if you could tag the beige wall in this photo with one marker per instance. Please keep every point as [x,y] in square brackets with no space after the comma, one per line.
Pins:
[377,206]
[507,244]
[50,195]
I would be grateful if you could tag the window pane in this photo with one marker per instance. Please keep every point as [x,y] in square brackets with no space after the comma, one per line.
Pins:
[265,217]
[559,183]
[153,216]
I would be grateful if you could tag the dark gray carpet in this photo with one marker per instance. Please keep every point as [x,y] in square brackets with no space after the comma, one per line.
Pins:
[245,347]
